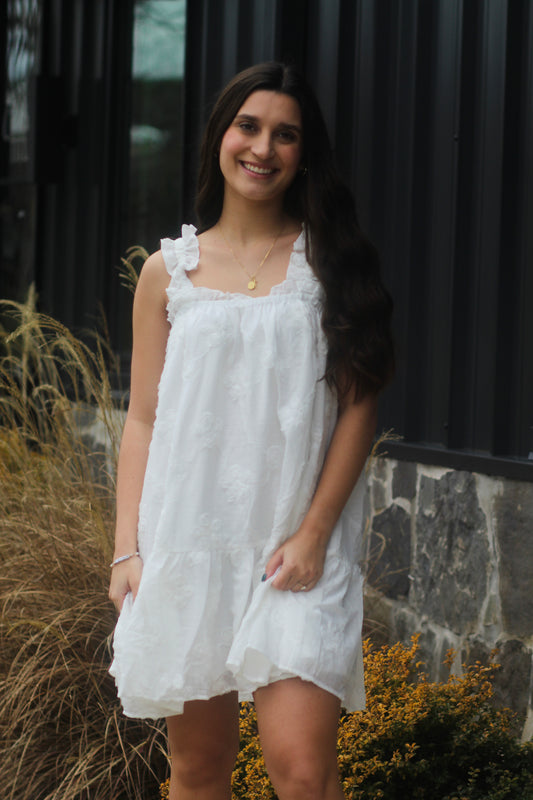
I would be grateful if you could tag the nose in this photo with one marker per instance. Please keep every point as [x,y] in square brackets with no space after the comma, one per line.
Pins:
[262,145]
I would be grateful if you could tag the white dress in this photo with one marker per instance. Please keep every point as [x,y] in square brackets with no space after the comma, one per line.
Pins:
[242,427]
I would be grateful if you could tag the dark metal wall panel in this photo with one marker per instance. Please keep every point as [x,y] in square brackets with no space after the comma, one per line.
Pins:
[291,24]
[522,430]
[486,223]
[440,216]
[323,49]
[263,30]
[516,350]
[85,71]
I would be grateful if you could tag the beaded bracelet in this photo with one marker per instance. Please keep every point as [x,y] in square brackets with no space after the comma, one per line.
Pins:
[123,558]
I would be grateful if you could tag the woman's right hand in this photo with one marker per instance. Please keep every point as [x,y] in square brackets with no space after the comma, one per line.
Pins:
[125,577]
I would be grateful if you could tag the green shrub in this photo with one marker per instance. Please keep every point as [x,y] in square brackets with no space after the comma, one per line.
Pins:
[417,739]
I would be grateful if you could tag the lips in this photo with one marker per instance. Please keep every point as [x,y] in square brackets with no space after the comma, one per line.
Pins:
[257,170]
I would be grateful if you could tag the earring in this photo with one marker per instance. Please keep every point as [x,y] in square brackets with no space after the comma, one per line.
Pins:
[303,170]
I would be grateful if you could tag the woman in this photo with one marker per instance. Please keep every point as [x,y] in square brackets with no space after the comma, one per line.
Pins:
[260,346]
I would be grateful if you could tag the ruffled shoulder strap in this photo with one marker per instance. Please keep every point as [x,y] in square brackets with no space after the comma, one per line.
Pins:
[300,275]
[181,255]
[298,249]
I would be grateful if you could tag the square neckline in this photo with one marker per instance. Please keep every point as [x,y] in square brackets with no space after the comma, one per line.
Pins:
[253,297]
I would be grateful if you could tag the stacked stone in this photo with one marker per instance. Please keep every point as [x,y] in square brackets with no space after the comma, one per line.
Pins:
[449,555]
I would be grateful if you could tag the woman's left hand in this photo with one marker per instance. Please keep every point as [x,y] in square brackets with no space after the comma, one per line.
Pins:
[300,561]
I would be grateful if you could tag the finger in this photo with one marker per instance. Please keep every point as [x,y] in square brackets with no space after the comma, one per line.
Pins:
[293,584]
[300,586]
[274,563]
[284,580]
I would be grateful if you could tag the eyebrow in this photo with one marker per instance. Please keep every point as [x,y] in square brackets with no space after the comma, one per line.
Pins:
[288,125]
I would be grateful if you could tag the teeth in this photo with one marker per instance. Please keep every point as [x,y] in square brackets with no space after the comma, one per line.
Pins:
[259,170]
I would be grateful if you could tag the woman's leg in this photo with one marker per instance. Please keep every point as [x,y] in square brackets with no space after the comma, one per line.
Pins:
[204,743]
[298,730]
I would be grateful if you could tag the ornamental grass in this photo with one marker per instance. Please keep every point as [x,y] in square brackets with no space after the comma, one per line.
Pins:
[62,734]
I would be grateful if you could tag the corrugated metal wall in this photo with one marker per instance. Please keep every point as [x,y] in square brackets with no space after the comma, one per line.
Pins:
[430,106]
[81,130]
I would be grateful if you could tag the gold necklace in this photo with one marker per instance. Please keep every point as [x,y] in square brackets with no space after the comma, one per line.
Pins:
[252,282]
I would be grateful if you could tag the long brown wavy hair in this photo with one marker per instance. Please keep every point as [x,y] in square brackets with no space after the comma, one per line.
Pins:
[357,308]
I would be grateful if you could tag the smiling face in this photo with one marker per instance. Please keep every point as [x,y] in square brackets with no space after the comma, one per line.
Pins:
[261,150]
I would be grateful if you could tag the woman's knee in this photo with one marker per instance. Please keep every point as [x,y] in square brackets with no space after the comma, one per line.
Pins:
[300,776]
[298,729]
[204,741]
[204,763]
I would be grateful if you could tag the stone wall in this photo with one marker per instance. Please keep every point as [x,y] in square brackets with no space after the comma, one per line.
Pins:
[449,555]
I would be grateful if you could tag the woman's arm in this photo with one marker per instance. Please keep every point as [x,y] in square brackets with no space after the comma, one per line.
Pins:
[301,557]
[150,334]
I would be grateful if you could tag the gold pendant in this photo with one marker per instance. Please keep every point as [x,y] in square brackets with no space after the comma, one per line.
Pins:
[252,284]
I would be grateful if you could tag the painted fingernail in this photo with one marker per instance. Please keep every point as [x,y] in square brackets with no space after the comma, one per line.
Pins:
[264,577]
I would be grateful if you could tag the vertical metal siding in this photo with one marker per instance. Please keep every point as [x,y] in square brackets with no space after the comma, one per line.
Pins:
[86,67]
[486,219]
[523,428]
[515,350]
[440,216]
[323,49]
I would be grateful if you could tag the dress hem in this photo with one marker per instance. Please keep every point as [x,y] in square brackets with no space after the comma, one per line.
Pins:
[246,695]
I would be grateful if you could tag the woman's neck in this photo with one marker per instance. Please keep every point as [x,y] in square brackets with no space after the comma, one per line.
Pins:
[248,222]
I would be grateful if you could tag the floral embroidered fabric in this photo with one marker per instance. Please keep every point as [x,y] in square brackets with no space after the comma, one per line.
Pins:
[242,427]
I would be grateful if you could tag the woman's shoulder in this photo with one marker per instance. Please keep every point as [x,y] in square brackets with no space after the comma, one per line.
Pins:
[153,280]
[154,266]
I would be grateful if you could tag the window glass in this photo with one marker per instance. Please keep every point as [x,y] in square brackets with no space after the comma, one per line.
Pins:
[156,125]
[22,51]
[20,40]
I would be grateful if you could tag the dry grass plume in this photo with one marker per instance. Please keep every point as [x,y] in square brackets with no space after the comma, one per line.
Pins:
[62,734]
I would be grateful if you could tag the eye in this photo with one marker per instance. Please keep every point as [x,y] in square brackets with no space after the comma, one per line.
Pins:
[247,127]
[287,136]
